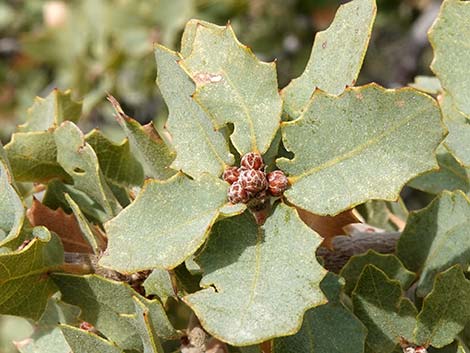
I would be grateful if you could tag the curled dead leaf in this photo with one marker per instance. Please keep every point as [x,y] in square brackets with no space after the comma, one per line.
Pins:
[329,226]
[63,224]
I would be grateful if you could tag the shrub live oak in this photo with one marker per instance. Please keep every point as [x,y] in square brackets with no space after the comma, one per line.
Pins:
[272,216]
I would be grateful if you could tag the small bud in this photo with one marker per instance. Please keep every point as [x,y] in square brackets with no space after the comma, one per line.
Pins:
[408,347]
[86,326]
[253,181]
[414,349]
[252,160]
[277,182]
[237,194]
[231,175]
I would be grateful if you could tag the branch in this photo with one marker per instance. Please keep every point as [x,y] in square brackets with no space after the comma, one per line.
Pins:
[345,246]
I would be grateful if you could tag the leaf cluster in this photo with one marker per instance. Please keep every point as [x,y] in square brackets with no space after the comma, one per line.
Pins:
[101,241]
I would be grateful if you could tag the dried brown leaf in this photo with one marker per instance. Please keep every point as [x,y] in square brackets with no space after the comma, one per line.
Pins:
[329,226]
[63,224]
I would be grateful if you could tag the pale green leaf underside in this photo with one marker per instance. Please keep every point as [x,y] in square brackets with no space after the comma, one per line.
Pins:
[458,124]
[166,223]
[233,86]
[199,148]
[449,39]
[336,57]
[24,290]
[436,238]
[80,161]
[81,341]
[33,157]
[365,144]
[11,207]
[380,305]
[450,175]
[247,264]
[445,310]
[116,161]
[388,263]
[51,111]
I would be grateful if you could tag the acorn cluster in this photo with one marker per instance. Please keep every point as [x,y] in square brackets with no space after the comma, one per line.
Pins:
[250,182]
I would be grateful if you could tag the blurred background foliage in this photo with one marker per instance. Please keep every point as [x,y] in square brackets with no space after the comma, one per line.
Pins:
[101,46]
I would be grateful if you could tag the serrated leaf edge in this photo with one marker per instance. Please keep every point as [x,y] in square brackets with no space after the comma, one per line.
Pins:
[394,197]
[247,49]
[299,322]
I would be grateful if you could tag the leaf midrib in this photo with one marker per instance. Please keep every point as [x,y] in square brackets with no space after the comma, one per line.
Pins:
[357,150]
[254,284]
[248,117]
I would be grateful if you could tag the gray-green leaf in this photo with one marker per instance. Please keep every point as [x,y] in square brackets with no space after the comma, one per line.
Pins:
[385,137]
[233,86]
[436,238]
[26,285]
[81,341]
[80,161]
[329,328]
[445,310]
[51,111]
[55,198]
[458,139]
[116,161]
[199,148]
[148,146]
[159,283]
[85,226]
[108,305]
[11,207]
[47,336]
[145,327]
[336,57]
[44,341]
[167,223]
[244,264]
[387,215]
[428,84]
[449,39]
[450,176]
[33,157]
[389,264]
[379,303]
